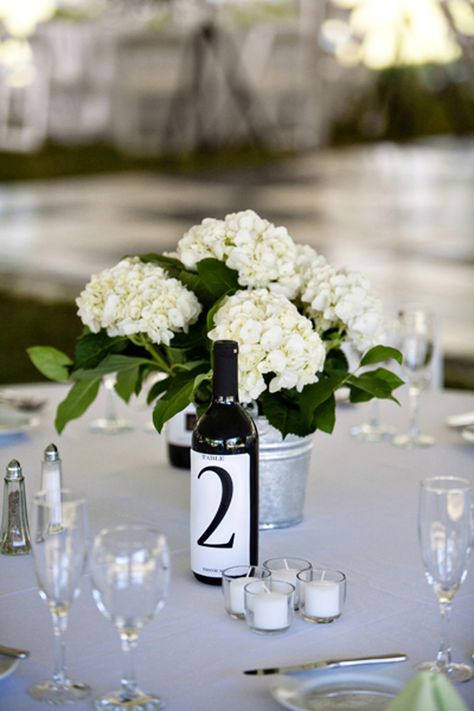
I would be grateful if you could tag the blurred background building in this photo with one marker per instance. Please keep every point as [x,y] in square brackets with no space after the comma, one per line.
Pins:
[349,121]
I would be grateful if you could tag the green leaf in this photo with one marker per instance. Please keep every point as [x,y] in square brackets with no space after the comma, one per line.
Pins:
[78,399]
[358,395]
[378,354]
[392,380]
[212,312]
[126,382]
[378,383]
[92,348]
[313,395]
[114,363]
[325,415]
[336,360]
[284,414]
[178,396]
[217,277]
[172,265]
[195,283]
[190,365]
[157,388]
[50,362]
[186,341]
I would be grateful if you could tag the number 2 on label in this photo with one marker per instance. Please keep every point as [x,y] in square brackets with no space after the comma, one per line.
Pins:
[226,498]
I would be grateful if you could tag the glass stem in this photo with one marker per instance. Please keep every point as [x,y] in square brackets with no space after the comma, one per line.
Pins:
[110,411]
[128,682]
[413,400]
[443,658]
[60,620]
[374,415]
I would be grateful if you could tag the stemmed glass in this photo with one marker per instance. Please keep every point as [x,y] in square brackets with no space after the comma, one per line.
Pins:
[110,423]
[59,543]
[373,430]
[444,530]
[130,570]
[417,334]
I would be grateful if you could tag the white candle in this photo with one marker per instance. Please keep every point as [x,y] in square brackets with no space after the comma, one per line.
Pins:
[287,575]
[236,594]
[270,611]
[321,598]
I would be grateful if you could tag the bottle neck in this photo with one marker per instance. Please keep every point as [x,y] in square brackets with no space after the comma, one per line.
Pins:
[225,380]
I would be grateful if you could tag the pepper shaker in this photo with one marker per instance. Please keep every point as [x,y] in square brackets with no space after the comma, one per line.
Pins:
[15,533]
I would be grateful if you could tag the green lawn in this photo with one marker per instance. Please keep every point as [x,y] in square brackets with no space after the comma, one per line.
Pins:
[27,322]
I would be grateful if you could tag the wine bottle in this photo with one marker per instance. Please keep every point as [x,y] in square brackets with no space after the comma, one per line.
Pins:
[179,430]
[224,477]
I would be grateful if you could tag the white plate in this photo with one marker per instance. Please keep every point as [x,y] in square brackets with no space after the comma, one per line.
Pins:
[338,690]
[459,421]
[7,666]
[468,434]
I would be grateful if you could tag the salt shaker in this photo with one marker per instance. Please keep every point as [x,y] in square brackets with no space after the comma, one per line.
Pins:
[15,533]
[51,481]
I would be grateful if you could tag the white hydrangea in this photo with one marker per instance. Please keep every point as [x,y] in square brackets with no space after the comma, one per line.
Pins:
[262,254]
[137,297]
[273,338]
[340,299]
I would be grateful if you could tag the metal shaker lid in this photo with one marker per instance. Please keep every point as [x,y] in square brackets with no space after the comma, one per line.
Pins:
[51,453]
[14,472]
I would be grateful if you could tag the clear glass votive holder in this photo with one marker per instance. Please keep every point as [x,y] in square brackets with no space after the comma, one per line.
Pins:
[269,605]
[322,594]
[286,569]
[234,580]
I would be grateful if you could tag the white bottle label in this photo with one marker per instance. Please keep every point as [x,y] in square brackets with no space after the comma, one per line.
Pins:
[179,429]
[220,512]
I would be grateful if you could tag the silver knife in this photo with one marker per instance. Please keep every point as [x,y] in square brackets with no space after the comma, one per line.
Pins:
[12,652]
[331,664]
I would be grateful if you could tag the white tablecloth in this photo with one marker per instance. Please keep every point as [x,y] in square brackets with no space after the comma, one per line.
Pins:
[360,517]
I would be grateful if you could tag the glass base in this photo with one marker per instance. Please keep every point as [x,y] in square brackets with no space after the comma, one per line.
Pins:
[102,425]
[408,442]
[456,673]
[320,620]
[115,701]
[57,694]
[372,433]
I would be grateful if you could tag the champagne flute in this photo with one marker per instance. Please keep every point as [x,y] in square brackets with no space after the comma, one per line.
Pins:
[110,423]
[444,530]
[417,333]
[130,570]
[59,544]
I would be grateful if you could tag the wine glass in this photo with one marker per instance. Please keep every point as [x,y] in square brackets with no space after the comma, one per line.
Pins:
[417,334]
[59,544]
[374,430]
[444,530]
[130,570]
[110,423]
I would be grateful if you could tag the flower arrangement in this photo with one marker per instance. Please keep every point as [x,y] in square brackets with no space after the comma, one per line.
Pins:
[240,278]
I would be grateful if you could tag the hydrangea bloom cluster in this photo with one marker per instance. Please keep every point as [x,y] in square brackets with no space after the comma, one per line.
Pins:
[273,338]
[136,297]
[345,300]
[262,254]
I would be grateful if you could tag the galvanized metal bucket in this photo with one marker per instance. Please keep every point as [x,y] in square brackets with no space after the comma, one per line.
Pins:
[283,474]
